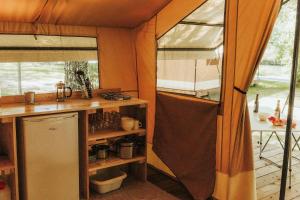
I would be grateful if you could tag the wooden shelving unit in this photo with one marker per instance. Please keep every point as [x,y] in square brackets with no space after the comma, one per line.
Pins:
[11,113]
[136,165]
[106,134]
[114,161]
[8,154]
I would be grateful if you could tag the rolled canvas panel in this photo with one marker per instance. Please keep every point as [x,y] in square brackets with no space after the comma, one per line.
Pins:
[46,55]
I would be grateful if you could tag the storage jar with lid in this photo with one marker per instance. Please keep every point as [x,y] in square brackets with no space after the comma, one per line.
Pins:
[126,149]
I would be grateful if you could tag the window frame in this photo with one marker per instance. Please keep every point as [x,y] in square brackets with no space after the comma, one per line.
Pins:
[222,84]
[16,48]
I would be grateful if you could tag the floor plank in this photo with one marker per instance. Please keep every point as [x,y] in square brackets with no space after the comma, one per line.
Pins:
[268,176]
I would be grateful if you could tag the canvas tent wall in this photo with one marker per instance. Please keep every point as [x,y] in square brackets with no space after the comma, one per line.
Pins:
[116,49]
[247,25]
[87,18]
[127,52]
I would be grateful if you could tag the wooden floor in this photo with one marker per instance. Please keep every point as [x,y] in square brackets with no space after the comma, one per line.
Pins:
[168,184]
[136,190]
[267,179]
[268,176]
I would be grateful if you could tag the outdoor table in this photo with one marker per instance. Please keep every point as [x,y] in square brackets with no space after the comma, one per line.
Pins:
[266,126]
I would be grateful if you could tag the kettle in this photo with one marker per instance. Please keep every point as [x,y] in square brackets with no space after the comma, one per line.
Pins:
[61,92]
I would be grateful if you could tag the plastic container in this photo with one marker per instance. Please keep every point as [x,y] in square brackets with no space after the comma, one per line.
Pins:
[107,181]
[5,193]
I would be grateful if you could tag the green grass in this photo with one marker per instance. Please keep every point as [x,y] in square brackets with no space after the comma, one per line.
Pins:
[266,88]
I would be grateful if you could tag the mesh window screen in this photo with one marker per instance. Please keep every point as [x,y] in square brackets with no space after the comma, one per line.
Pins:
[189,59]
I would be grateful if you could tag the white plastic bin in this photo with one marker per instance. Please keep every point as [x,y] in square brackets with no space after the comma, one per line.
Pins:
[107,180]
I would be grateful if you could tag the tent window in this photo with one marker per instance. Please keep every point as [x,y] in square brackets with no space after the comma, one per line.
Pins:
[189,59]
[36,62]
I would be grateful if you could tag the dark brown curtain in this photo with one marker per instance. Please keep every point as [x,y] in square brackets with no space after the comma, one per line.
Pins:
[185,140]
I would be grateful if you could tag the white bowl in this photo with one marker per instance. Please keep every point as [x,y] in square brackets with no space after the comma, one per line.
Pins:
[263,116]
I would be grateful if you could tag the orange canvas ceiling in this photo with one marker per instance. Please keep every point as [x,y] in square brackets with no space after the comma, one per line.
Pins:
[121,13]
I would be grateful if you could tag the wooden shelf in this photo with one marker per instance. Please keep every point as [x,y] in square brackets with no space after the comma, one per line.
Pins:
[6,164]
[135,108]
[113,161]
[99,135]
[50,107]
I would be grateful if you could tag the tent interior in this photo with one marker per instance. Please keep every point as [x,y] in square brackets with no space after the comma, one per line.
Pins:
[141,94]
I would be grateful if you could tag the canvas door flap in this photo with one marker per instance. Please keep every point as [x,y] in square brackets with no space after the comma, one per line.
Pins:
[244,45]
[185,140]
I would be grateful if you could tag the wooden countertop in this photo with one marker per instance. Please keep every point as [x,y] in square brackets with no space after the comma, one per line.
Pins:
[20,109]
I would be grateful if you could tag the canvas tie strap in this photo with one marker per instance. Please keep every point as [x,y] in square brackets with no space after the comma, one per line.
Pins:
[240,90]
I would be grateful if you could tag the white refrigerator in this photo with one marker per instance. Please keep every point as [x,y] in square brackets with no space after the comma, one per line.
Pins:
[50,157]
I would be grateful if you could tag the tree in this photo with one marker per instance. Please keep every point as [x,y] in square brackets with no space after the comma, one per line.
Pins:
[280,47]
[71,68]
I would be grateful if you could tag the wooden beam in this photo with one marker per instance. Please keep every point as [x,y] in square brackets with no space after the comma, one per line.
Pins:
[189,49]
[201,24]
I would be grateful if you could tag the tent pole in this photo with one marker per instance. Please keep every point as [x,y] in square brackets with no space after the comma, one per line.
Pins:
[287,146]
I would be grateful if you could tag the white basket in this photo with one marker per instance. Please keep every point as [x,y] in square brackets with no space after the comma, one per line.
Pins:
[107,181]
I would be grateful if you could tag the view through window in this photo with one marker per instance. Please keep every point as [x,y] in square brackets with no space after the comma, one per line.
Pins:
[272,79]
[190,55]
[37,63]
[271,86]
